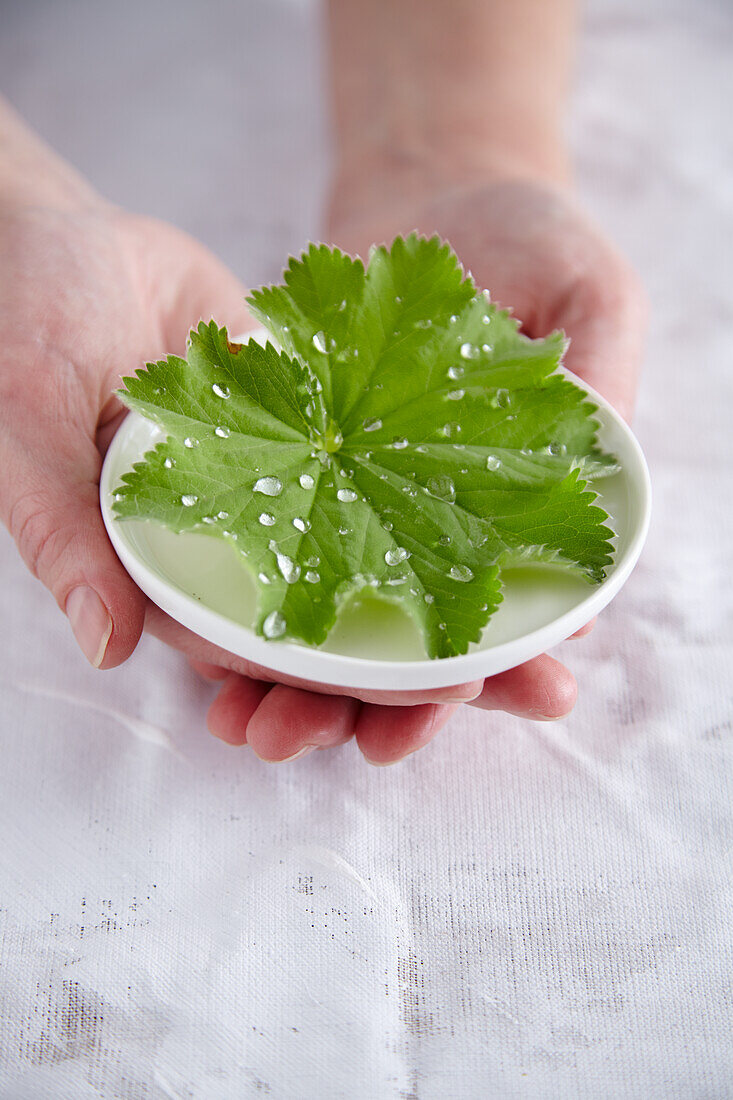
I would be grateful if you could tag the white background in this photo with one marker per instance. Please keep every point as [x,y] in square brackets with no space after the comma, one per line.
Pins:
[517,911]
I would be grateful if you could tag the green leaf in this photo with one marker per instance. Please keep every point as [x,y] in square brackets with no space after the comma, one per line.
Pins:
[407,440]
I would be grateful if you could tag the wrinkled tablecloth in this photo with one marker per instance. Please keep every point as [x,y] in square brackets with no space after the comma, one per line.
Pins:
[519,910]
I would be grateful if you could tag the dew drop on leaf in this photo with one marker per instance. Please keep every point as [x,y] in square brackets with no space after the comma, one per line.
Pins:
[372,424]
[344,530]
[169,464]
[455,395]
[269,486]
[429,597]
[557,449]
[222,432]
[221,391]
[301,524]
[312,576]
[274,625]
[306,481]
[395,555]
[208,519]
[453,318]
[486,319]
[469,351]
[461,573]
[264,578]
[346,496]
[486,348]
[442,487]
[313,560]
[266,519]
[289,569]
[500,400]
[190,441]
[424,323]
[493,462]
[222,515]
[455,372]
[319,342]
[188,500]
[444,540]
[399,443]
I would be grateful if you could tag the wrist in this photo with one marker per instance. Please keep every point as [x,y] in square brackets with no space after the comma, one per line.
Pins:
[32,175]
[386,179]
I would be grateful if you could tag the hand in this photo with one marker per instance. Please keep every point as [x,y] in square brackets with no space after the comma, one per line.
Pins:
[88,294]
[532,247]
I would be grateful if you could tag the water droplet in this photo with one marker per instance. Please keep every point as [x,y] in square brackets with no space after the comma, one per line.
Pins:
[387,524]
[461,573]
[410,490]
[456,372]
[469,351]
[396,580]
[223,433]
[188,500]
[557,449]
[342,305]
[208,519]
[346,496]
[306,481]
[313,560]
[344,531]
[313,385]
[267,519]
[264,578]
[319,342]
[398,300]
[429,597]
[312,576]
[395,555]
[372,424]
[456,395]
[399,443]
[301,524]
[274,625]
[453,318]
[501,399]
[487,348]
[493,462]
[189,441]
[169,463]
[222,515]
[442,487]
[269,486]
[424,323]
[221,391]
[451,429]
[309,409]
[289,569]
[444,540]
[486,319]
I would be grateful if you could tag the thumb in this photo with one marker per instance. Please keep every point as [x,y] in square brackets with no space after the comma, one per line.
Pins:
[49,500]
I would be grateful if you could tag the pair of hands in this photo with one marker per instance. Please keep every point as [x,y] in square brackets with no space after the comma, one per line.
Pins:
[88,293]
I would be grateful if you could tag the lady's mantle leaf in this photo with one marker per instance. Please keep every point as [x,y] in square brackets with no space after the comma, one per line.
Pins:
[408,440]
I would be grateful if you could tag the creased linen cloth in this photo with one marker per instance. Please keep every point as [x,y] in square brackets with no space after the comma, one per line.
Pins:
[520,910]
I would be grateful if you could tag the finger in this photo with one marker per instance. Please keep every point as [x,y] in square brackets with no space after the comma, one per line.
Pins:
[209,672]
[231,711]
[585,629]
[289,722]
[49,500]
[198,649]
[541,689]
[388,734]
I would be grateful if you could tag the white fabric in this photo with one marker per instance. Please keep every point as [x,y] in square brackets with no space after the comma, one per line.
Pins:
[519,910]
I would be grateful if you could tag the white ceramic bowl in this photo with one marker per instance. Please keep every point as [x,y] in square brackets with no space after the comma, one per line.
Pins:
[199,581]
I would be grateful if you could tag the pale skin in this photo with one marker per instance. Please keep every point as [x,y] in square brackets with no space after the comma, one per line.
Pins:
[448,118]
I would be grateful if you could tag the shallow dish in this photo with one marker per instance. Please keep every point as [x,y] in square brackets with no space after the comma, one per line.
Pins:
[200,582]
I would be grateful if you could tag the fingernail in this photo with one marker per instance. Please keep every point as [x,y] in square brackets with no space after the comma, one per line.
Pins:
[90,620]
[381,763]
[301,752]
